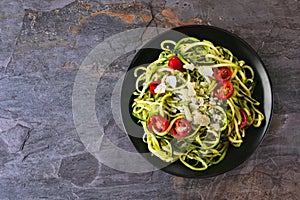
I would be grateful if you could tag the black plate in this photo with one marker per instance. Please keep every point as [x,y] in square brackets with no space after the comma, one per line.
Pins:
[262,92]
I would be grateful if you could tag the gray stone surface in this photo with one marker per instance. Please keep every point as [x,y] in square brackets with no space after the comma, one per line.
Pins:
[42,45]
[11,17]
[79,169]
[45,5]
[15,138]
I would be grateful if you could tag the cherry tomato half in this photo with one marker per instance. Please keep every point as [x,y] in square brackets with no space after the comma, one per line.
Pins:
[159,123]
[181,128]
[175,63]
[244,119]
[224,90]
[222,73]
[153,86]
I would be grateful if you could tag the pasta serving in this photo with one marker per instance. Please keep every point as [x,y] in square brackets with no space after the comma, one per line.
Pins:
[194,101]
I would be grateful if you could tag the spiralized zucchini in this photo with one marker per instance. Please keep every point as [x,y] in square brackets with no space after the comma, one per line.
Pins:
[191,94]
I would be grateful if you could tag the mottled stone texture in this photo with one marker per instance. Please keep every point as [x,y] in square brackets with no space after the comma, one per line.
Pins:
[44,42]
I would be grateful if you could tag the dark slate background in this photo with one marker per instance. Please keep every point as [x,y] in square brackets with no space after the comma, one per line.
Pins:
[42,46]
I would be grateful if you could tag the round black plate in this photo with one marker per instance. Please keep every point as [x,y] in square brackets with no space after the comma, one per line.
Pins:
[263,93]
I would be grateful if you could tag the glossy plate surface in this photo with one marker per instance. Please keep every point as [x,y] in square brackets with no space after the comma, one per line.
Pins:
[262,92]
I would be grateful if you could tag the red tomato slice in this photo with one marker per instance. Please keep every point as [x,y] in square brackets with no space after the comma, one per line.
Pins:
[244,119]
[153,86]
[159,123]
[181,128]
[222,73]
[175,63]
[224,90]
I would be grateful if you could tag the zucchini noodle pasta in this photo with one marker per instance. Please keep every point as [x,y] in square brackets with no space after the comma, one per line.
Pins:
[194,101]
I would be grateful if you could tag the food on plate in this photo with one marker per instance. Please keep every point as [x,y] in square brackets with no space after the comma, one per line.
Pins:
[194,101]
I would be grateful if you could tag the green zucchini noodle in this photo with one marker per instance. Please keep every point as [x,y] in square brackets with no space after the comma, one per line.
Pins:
[215,123]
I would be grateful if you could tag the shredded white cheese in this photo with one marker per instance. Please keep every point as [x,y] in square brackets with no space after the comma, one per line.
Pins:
[205,71]
[200,101]
[161,88]
[201,91]
[218,117]
[204,84]
[194,106]
[215,127]
[187,113]
[212,101]
[191,90]
[201,119]
[171,80]
[194,100]
[189,66]
[183,95]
